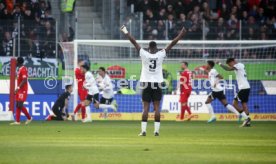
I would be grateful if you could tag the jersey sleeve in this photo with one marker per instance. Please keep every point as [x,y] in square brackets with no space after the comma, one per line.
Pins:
[142,53]
[239,66]
[215,73]
[163,53]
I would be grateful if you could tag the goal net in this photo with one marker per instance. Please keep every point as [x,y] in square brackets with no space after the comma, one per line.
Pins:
[123,64]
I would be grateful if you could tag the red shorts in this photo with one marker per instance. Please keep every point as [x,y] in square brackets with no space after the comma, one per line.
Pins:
[21,95]
[184,96]
[82,95]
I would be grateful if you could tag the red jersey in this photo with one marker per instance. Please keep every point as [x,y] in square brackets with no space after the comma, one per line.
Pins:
[80,79]
[21,75]
[185,81]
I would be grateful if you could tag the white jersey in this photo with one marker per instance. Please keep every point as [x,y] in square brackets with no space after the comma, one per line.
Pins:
[241,76]
[214,81]
[152,66]
[106,86]
[90,83]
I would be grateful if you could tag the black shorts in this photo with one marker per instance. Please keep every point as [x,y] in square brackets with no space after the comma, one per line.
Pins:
[93,98]
[151,92]
[217,95]
[243,95]
[106,101]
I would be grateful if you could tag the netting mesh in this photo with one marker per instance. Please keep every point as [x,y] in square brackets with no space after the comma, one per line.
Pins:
[116,56]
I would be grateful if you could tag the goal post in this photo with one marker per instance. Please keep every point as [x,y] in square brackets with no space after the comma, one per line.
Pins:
[122,61]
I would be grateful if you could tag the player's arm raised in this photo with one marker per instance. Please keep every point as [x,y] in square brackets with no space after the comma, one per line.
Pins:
[225,67]
[130,38]
[176,39]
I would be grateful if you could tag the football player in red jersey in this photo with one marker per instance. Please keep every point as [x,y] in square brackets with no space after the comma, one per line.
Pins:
[81,92]
[21,92]
[185,90]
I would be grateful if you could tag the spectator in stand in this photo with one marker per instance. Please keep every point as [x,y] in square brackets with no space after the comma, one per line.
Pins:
[40,13]
[49,40]
[233,28]
[250,35]
[162,14]
[272,28]
[161,30]
[171,26]
[218,30]
[8,44]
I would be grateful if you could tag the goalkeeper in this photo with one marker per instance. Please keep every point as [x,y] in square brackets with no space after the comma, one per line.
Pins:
[60,108]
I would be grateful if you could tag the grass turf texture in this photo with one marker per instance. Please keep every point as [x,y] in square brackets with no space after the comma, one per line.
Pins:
[117,142]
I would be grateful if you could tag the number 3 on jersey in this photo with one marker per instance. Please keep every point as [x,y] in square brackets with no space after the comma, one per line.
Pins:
[152,65]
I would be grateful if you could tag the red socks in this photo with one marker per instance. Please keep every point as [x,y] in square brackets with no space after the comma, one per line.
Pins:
[183,109]
[83,112]
[78,107]
[18,112]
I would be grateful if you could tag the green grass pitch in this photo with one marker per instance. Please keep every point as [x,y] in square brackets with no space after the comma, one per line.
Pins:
[118,142]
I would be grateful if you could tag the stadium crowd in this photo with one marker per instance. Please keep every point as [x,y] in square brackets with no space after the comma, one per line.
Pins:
[208,19]
[37,28]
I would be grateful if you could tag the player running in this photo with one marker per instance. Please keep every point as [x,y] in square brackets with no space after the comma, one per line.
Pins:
[185,90]
[93,92]
[243,86]
[105,85]
[151,77]
[60,108]
[81,92]
[217,91]
[21,92]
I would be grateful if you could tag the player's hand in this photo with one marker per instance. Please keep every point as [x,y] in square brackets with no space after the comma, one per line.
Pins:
[183,30]
[124,29]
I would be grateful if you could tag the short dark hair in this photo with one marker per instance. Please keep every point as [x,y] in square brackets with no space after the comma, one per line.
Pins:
[152,44]
[86,65]
[186,63]
[80,60]
[68,86]
[229,60]
[102,68]
[20,60]
[211,63]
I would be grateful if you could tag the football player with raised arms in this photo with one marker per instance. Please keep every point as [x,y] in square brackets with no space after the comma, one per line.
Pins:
[151,77]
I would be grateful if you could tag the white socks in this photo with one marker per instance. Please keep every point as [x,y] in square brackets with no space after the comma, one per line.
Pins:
[144,126]
[244,115]
[88,114]
[232,109]
[156,127]
[211,110]
[104,106]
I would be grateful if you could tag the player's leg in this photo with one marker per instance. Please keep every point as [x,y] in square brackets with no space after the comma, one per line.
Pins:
[106,104]
[244,99]
[186,107]
[156,97]
[222,99]
[210,108]
[17,115]
[146,106]
[83,111]
[236,101]
[156,105]
[87,102]
[58,114]
[146,98]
